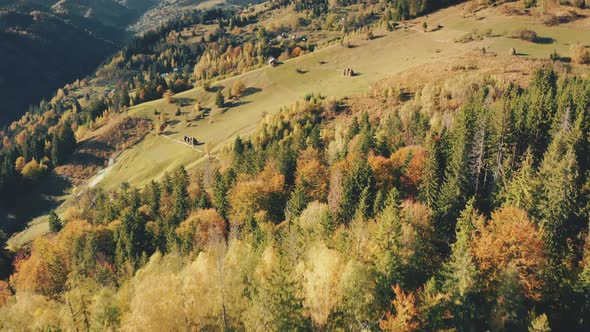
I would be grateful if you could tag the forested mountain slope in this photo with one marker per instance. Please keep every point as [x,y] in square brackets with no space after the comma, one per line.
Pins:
[386,171]
[50,44]
[45,52]
[417,215]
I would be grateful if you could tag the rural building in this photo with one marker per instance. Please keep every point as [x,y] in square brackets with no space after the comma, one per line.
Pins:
[272,62]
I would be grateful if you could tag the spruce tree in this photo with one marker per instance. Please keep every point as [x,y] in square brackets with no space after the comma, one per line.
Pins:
[219,99]
[458,184]
[363,211]
[354,128]
[432,172]
[55,223]
[56,149]
[522,190]
[297,202]
[582,286]
[152,197]
[379,203]
[385,239]
[220,198]
[541,110]
[180,196]
[558,195]
[360,177]
[459,273]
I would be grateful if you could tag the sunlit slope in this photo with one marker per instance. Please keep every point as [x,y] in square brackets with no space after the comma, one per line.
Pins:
[271,89]
[321,72]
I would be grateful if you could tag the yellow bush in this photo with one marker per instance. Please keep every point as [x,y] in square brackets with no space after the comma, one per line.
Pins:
[580,54]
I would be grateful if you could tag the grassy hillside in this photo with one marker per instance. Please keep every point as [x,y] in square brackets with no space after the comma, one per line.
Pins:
[272,89]
[389,55]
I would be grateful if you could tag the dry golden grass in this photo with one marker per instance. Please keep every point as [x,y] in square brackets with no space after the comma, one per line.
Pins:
[512,69]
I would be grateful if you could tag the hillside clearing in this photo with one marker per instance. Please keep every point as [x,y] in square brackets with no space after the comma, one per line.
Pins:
[277,87]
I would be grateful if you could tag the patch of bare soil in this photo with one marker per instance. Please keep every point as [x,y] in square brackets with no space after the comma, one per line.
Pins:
[106,143]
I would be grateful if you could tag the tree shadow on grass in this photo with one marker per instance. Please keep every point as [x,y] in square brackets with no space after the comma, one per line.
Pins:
[437,28]
[18,210]
[250,91]
[236,103]
[544,40]
[214,88]
[184,101]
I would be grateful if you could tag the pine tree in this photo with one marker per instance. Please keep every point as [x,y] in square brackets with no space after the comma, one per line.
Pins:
[180,196]
[457,184]
[522,189]
[459,272]
[359,178]
[559,193]
[219,99]
[363,210]
[432,172]
[55,223]
[297,203]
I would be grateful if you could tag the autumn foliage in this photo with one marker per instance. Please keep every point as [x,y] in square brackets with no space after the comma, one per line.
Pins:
[510,238]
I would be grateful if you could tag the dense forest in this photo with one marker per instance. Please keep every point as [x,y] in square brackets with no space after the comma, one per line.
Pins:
[461,206]
[419,216]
